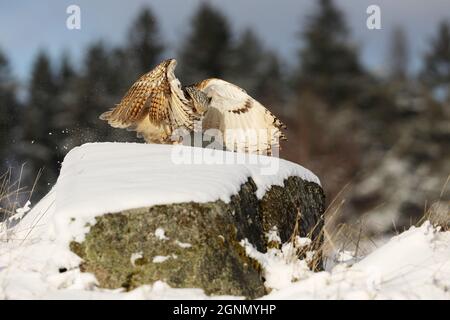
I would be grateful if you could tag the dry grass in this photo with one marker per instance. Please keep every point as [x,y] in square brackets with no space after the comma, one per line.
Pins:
[438,213]
[13,195]
[325,242]
[337,237]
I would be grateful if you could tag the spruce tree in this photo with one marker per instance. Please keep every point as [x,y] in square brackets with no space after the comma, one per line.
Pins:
[145,46]
[8,112]
[66,113]
[94,94]
[247,62]
[38,147]
[436,72]
[398,55]
[271,88]
[329,62]
[256,69]
[206,49]
[99,88]
[66,72]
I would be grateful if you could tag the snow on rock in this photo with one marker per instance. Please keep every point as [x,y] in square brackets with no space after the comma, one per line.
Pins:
[135,256]
[160,259]
[183,245]
[94,177]
[160,234]
[99,178]
[272,235]
[281,266]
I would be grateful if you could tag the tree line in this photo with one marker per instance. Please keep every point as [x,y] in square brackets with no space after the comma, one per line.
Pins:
[63,101]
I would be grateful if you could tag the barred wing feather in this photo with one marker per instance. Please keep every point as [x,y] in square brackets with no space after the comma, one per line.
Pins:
[246,125]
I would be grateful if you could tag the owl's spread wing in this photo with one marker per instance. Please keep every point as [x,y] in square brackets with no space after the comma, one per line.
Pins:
[246,125]
[156,94]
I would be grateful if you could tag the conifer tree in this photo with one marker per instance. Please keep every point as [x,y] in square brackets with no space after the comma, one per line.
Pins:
[271,88]
[398,55]
[65,114]
[329,62]
[206,50]
[247,62]
[100,86]
[145,46]
[436,72]
[8,112]
[38,147]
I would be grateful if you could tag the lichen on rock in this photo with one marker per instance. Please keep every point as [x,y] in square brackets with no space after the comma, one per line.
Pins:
[215,260]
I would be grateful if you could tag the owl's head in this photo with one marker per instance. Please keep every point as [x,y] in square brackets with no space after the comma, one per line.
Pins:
[199,99]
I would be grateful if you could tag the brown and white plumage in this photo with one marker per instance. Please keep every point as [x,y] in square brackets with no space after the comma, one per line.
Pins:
[246,125]
[156,105]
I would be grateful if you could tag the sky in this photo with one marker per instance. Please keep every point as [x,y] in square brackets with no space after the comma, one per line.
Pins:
[31,25]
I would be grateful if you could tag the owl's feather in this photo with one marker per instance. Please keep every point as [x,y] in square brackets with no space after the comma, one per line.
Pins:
[156,105]
[156,97]
[247,126]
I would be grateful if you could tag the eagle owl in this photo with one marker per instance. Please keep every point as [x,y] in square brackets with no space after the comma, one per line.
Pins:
[156,105]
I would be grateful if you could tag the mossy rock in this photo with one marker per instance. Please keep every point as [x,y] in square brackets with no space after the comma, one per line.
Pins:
[214,261]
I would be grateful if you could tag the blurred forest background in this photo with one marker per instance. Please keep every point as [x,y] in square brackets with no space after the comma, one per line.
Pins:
[380,144]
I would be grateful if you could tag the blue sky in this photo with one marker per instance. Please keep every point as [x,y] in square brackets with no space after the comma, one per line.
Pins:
[29,25]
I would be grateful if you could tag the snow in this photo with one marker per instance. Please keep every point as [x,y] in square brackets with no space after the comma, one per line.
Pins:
[160,234]
[281,267]
[20,212]
[345,256]
[272,235]
[412,265]
[160,259]
[302,242]
[135,256]
[102,178]
[99,178]
[183,245]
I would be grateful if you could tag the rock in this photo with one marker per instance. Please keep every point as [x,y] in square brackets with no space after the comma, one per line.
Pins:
[197,244]
[140,213]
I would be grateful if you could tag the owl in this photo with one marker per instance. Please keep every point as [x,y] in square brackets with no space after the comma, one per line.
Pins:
[157,105]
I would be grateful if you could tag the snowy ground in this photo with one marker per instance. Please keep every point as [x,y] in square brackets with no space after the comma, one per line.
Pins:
[93,180]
